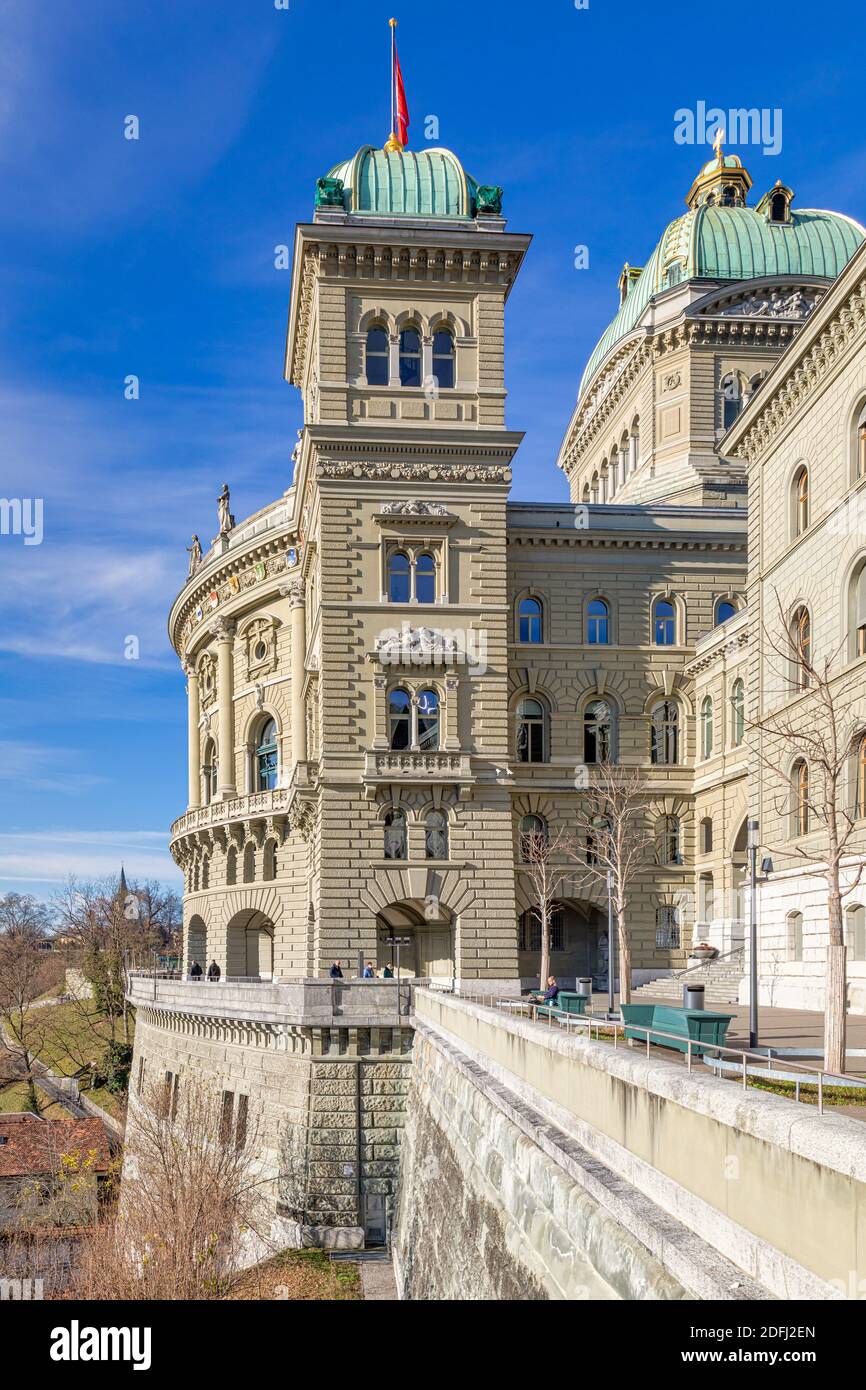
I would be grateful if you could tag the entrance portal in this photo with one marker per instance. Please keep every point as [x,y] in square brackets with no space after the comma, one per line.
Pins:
[578,944]
[426,935]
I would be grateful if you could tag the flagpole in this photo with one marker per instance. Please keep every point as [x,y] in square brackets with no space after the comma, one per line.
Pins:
[393,143]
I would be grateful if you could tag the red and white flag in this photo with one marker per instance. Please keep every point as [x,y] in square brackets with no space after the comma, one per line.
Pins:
[401,106]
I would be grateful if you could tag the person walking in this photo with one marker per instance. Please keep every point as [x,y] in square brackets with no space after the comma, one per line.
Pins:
[213,972]
[335,972]
[195,971]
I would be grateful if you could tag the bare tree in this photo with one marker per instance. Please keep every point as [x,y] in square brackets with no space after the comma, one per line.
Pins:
[190,1202]
[819,734]
[24,969]
[612,842]
[545,858]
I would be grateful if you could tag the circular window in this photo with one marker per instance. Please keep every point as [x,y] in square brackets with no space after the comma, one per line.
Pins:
[260,651]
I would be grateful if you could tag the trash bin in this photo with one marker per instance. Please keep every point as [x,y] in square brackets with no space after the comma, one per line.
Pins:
[693,996]
[584,986]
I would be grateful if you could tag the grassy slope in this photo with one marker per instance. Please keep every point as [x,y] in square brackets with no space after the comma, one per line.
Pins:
[71,1039]
[299,1274]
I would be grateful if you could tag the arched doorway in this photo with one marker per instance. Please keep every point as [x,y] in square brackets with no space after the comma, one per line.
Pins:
[196,942]
[250,946]
[740,873]
[429,926]
[578,943]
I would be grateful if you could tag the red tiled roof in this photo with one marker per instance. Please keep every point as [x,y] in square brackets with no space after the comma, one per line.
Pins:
[34,1146]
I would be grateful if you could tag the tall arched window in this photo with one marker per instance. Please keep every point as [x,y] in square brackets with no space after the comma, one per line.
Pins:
[269,861]
[738,713]
[665,733]
[376,359]
[801,640]
[855,931]
[597,732]
[725,609]
[664,623]
[800,797]
[860,445]
[597,623]
[705,838]
[531,739]
[594,487]
[443,359]
[533,835]
[410,357]
[794,924]
[669,840]
[399,719]
[427,705]
[436,835]
[530,620]
[425,578]
[707,727]
[205,871]
[857,610]
[395,837]
[232,867]
[399,577]
[800,501]
[249,862]
[267,758]
[860,778]
[732,398]
[210,772]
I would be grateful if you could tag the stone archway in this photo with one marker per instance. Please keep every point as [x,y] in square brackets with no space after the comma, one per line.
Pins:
[250,945]
[196,942]
[578,944]
[429,953]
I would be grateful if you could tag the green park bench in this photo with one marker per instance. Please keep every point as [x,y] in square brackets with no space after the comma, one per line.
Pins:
[703,1028]
[567,1002]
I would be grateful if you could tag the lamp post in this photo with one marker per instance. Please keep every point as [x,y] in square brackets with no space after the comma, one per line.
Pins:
[752,843]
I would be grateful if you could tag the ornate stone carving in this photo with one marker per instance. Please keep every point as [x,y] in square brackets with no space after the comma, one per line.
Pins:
[223,630]
[421,472]
[224,516]
[414,509]
[194,553]
[295,591]
[775,304]
[414,644]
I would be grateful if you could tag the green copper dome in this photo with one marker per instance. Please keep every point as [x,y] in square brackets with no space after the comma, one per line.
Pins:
[712,242]
[406,183]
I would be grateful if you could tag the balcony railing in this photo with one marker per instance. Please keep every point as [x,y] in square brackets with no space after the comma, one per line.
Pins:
[310,1003]
[239,808]
[388,764]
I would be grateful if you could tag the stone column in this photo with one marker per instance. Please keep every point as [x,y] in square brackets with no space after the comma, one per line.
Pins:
[296,592]
[224,632]
[194,747]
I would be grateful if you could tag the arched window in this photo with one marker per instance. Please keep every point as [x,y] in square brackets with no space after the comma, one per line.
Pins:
[613,472]
[443,359]
[205,871]
[232,867]
[597,623]
[425,579]
[376,358]
[706,898]
[249,862]
[531,740]
[801,641]
[800,501]
[738,713]
[530,620]
[664,623]
[725,609]
[707,727]
[436,835]
[594,487]
[399,719]
[597,732]
[778,208]
[210,772]
[860,446]
[395,838]
[855,931]
[860,778]
[267,758]
[410,357]
[665,733]
[533,835]
[732,398]
[269,861]
[794,924]
[399,577]
[800,797]
[669,840]
[427,705]
[857,610]
[705,839]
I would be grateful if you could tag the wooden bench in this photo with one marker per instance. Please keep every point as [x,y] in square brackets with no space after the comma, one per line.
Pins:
[707,1030]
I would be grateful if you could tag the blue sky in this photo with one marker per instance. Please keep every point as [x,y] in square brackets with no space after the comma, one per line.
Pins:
[156,258]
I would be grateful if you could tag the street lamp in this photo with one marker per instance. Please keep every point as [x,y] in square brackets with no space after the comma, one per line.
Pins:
[602,823]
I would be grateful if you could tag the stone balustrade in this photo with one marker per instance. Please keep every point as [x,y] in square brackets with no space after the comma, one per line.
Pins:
[300,1003]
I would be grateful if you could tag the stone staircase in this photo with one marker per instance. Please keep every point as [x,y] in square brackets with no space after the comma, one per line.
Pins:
[720,978]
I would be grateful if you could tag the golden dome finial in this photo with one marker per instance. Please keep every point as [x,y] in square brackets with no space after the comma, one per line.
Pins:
[718,139]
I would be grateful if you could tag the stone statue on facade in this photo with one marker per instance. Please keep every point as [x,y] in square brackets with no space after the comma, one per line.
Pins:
[226,520]
[194,553]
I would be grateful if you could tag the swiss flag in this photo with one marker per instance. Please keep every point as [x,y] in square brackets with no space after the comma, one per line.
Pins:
[402,107]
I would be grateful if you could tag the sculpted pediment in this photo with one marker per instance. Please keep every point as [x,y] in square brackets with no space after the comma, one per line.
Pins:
[764,302]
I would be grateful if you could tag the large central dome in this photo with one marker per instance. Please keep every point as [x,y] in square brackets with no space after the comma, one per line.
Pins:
[406,183]
[716,242]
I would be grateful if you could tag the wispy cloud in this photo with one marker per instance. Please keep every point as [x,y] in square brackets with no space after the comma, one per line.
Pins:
[48,859]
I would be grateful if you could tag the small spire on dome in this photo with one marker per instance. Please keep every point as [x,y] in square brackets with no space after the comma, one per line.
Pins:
[718,140]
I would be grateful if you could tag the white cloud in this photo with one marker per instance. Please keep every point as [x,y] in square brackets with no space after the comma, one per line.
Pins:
[49,858]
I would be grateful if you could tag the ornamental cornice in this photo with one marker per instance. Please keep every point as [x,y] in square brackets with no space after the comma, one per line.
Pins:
[585,539]
[241,573]
[607,395]
[805,376]
[415,472]
[733,647]
[305,315]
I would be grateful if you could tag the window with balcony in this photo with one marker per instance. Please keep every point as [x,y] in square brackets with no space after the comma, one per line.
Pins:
[267,758]
[400,719]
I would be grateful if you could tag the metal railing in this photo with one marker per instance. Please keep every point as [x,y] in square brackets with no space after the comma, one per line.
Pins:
[819,1076]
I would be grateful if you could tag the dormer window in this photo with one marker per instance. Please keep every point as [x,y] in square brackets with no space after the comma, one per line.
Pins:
[778,208]
[776,205]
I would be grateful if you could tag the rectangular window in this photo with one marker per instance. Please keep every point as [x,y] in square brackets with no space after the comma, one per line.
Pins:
[170,1095]
[667,929]
[226,1117]
[241,1122]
